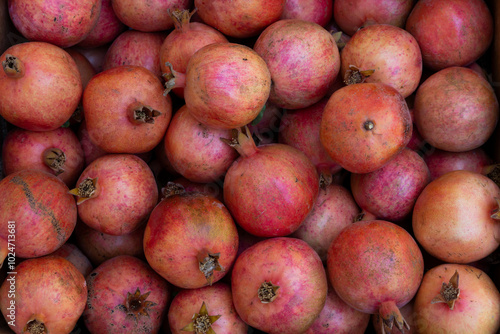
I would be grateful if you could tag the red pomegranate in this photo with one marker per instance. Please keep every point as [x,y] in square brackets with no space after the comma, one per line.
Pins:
[37,213]
[365,125]
[59,22]
[451,33]
[85,68]
[125,110]
[303,59]
[279,285]
[197,235]
[74,255]
[125,296]
[90,150]
[116,193]
[57,152]
[269,189]
[376,267]
[46,295]
[240,18]
[317,11]
[45,82]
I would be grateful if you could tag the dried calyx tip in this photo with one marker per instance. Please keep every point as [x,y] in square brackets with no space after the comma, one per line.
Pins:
[267,292]
[55,158]
[202,322]
[145,114]
[208,265]
[449,292]
[354,75]
[35,327]
[86,189]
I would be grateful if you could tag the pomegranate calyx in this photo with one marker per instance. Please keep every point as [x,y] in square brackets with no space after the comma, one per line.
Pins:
[181,17]
[449,292]
[202,322]
[242,141]
[337,37]
[137,305]
[496,212]
[208,265]
[54,158]
[13,67]
[87,189]
[171,189]
[145,114]
[390,315]
[267,292]
[35,327]
[354,75]
[173,79]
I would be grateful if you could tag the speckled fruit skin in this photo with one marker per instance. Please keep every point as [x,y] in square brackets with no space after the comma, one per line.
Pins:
[375,261]
[108,101]
[456,109]
[240,18]
[392,52]
[292,265]
[74,255]
[126,194]
[43,212]
[343,130]
[452,217]
[451,33]
[195,150]
[212,93]
[181,229]
[477,309]
[390,192]
[303,59]
[109,285]
[23,149]
[48,93]
[49,289]
[60,22]
[218,300]
[317,11]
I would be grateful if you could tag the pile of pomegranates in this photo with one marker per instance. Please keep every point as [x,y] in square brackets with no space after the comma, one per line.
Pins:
[250,166]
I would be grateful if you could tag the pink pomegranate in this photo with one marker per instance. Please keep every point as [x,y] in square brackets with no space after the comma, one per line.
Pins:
[317,11]
[95,55]
[265,129]
[211,188]
[451,33]
[45,295]
[59,22]
[90,150]
[74,255]
[279,285]
[45,82]
[269,189]
[376,267]
[125,296]
[303,59]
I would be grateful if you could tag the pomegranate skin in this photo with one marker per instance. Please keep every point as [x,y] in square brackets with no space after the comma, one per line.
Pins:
[74,255]
[451,33]
[116,303]
[60,22]
[49,91]
[48,291]
[317,11]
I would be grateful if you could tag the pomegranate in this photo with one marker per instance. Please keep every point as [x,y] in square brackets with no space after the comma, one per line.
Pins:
[279,285]
[116,193]
[209,307]
[90,150]
[95,55]
[317,11]
[334,209]
[376,267]
[125,296]
[134,47]
[59,22]
[300,128]
[173,232]
[45,82]
[195,150]
[125,110]
[212,188]
[365,125]
[353,15]
[182,42]
[107,28]
[57,152]
[454,218]
[226,85]
[37,213]
[453,294]
[269,189]
[406,312]
[390,51]
[390,192]
[99,247]
[451,33]
[45,295]
[74,255]
[456,109]
[303,59]
[266,126]
[85,68]
[240,18]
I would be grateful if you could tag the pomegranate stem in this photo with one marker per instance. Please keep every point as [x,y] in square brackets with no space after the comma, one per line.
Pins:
[54,158]
[390,316]
[173,79]
[87,189]
[208,264]
[449,292]
[268,292]
[35,327]
[13,67]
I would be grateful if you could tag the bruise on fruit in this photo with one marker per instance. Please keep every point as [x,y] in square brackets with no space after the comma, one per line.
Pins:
[202,322]
[208,265]
[268,292]
[145,114]
[85,190]
[54,158]
[35,327]
[449,292]
[12,66]
[137,305]
[354,75]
